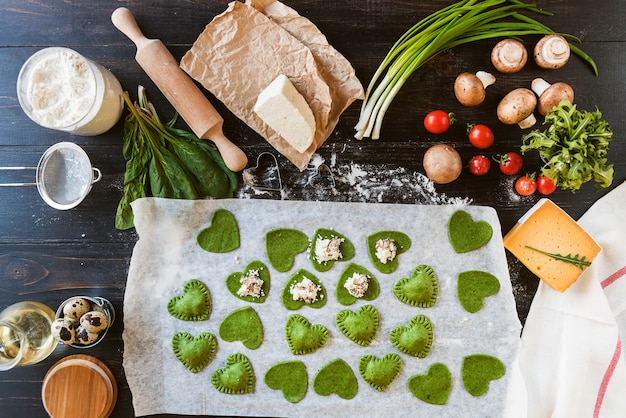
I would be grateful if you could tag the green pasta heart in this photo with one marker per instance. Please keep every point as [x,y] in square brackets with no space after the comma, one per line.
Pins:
[473,287]
[346,248]
[419,290]
[434,386]
[222,235]
[237,377]
[243,325]
[467,235]
[290,377]
[194,304]
[195,353]
[478,370]
[401,241]
[415,339]
[360,326]
[303,337]
[343,295]
[233,282]
[336,377]
[380,372]
[299,276]
[283,245]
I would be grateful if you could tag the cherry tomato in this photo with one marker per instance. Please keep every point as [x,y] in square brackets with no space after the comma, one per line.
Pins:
[545,185]
[481,136]
[510,163]
[479,165]
[438,121]
[526,185]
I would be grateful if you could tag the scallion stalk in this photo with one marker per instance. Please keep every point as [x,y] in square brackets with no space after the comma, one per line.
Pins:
[460,23]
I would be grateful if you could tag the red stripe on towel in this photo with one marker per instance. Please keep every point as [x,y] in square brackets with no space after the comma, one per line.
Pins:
[613,277]
[607,378]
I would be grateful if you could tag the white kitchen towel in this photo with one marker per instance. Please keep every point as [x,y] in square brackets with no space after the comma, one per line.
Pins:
[572,357]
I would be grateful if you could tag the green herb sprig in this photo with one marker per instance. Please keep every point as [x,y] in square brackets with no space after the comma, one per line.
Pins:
[574,147]
[460,23]
[164,161]
[576,260]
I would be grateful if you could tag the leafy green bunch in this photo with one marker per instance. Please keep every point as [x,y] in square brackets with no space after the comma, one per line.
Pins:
[164,161]
[574,147]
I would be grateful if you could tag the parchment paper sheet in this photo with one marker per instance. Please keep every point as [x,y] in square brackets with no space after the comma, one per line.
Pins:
[242,50]
[167,255]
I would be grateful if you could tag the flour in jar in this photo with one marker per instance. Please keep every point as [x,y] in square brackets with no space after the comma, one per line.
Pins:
[61,89]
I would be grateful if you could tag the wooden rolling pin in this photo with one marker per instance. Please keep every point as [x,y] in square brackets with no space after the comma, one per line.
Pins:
[179,89]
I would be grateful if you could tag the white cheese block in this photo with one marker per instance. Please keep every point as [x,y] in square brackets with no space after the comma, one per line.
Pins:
[286,111]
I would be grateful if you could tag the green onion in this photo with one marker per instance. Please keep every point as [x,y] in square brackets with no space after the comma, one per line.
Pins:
[460,23]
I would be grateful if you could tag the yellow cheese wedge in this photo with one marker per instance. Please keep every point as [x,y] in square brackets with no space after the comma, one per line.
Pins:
[286,111]
[544,235]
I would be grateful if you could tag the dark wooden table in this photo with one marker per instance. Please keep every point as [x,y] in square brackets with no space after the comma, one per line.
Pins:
[48,255]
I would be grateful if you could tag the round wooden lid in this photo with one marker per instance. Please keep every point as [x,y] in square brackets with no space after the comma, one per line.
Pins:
[79,386]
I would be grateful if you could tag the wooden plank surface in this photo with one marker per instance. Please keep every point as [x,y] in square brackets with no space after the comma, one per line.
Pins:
[49,255]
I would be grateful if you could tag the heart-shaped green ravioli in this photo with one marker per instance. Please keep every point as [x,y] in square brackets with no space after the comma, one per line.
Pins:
[329,247]
[243,325]
[478,370]
[222,235]
[251,285]
[474,286]
[237,377]
[336,377]
[360,326]
[356,282]
[302,336]
[467,235]
[379,373]
[433,387]
[415,339]
[194,304]
[290,377]
[195,353]
[302,289]
[384,247]
[420,290]
[282,246]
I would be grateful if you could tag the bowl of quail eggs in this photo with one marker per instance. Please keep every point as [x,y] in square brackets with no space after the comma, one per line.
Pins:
[83,321]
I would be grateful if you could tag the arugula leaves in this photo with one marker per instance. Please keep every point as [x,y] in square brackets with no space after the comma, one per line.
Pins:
[164,161]
[574,147]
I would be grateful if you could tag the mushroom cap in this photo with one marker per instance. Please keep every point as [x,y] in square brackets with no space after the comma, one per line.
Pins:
[553,95]
[469,89]
[442,163]
[509,56]
[516,106]
[552,52]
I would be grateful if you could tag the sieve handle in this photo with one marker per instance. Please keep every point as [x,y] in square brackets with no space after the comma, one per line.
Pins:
[17,184]
[97,175]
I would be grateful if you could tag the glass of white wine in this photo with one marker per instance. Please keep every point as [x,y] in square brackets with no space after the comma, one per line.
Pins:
[25,334]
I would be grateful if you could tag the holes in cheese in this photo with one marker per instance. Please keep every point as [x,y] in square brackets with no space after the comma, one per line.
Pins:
[286,111]
[552,245]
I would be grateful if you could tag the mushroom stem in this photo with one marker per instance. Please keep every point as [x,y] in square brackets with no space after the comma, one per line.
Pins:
[539,85]
[486,78]
[528,122]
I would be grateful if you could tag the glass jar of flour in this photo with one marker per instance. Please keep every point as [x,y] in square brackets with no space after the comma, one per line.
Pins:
[60,89]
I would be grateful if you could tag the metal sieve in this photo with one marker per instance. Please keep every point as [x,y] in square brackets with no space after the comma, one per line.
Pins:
[64,175]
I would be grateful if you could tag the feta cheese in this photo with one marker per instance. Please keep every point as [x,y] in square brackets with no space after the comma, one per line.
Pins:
[286,111]
[357,285]
[328,249]
[386,250]
[251,285]
[305,291]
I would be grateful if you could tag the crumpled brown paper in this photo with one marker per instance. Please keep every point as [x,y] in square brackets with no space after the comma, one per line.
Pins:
[245,48]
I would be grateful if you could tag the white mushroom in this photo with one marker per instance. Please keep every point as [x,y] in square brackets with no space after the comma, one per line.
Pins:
[550,95]
[517,107]
[552,52]
[509,56]
[469,88]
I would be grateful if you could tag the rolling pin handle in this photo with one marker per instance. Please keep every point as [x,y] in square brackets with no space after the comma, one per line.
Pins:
[233,156]
[124,20]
